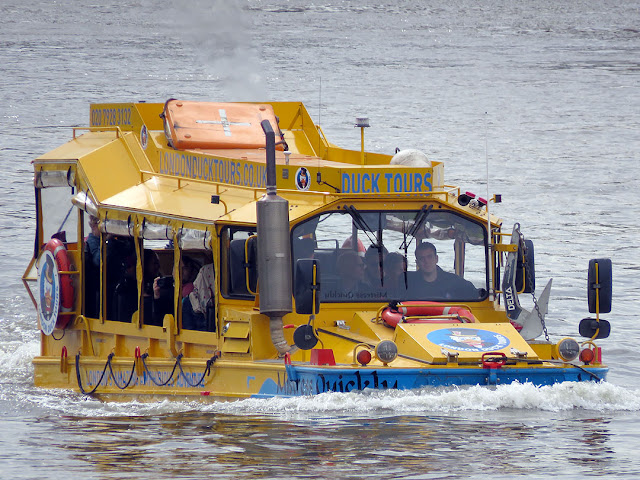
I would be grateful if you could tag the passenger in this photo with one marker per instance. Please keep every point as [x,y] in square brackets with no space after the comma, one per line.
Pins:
[432,282]
[92,270]
[198,308]
[395,266]
[372,272]
[351,271]
[151,271]
[92,245]
[189,272]
[121,285]
[157,291]
[125,294]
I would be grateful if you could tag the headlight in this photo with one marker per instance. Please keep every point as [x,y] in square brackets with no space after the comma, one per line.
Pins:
[568,349]
[387,351]
[364,357]
[587,356]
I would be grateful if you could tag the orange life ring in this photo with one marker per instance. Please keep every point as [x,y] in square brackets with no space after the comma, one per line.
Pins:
[67,292]
[419,312]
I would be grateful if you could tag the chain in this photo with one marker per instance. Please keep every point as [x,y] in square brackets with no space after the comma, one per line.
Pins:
[533,292]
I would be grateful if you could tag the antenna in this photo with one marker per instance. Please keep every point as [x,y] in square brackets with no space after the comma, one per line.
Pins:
[319,114]
[320,102]
[490,236]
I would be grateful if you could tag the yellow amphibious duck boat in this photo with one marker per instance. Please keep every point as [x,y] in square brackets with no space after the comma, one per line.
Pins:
[228,250]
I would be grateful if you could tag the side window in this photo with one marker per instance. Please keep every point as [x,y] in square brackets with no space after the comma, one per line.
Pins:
[158,285]
[198,290]
[92,254]
[59,215]
[120,277]
[239,265]
[59,219]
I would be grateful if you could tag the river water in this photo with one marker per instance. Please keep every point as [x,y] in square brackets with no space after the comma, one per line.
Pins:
[546,91]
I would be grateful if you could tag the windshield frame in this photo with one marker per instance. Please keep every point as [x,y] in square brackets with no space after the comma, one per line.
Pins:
[402,229]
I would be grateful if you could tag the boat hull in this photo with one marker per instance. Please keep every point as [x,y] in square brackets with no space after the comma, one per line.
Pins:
[226,380]
[312,381]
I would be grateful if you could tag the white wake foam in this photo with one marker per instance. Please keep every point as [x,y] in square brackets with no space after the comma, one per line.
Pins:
[16,369]
[599,397]
[565,396]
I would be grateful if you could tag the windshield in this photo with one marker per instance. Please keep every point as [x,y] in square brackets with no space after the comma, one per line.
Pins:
[377,256]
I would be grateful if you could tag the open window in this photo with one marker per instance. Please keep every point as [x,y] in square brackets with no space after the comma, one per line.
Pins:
[239,262]
[158,282]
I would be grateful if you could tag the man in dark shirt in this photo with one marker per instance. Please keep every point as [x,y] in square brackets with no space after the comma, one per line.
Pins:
[432,283]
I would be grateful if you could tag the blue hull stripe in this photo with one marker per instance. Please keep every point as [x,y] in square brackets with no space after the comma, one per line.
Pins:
[314,380]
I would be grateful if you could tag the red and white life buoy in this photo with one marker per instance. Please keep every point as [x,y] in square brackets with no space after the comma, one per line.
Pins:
[66,290]
[425,312]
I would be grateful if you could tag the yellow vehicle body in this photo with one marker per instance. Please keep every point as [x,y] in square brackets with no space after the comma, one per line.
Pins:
[122,171]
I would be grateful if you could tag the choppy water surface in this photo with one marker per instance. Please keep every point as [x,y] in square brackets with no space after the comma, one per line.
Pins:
[548,91]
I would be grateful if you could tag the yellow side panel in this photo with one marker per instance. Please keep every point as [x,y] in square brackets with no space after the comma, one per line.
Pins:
[237,330]
[235,345]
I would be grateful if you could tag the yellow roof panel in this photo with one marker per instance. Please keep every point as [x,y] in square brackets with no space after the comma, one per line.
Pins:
[79,147]
[193,200]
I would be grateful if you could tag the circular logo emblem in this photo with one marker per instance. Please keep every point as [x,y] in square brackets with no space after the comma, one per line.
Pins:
[303,179]
[48,292]
[144,137]
[468,339]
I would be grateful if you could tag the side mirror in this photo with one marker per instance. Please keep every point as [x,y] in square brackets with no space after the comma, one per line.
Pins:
[589,326]
[307,286]
[599,285]
[526,270]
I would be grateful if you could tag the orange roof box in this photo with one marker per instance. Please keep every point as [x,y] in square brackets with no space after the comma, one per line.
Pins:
[209,125]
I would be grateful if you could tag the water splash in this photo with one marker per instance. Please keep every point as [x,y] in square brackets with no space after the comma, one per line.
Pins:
[568,396]
[16,369]
[565,396]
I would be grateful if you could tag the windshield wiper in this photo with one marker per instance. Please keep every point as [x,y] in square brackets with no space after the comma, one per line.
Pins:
[380,247]
[358,218]
[375,242]
[360,222]
[65,219]
[418,223]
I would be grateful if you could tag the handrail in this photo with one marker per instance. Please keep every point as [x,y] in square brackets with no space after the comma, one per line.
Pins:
[82,318]
[99,129]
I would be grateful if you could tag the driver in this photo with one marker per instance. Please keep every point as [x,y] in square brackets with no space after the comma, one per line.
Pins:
[432,282]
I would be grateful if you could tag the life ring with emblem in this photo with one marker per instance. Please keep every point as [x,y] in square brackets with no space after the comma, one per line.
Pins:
[67,292]
[425,312]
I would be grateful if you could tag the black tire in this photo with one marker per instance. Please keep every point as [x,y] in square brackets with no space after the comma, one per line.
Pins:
[604,280]
[526,260]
